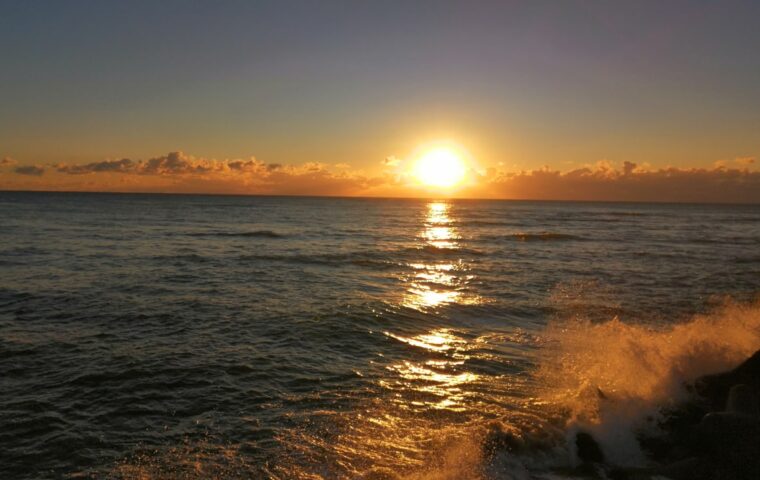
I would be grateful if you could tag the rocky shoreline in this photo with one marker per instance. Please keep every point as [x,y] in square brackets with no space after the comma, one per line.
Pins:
[715,436]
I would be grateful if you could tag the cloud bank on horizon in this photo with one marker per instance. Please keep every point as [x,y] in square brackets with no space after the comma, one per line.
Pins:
[177,172]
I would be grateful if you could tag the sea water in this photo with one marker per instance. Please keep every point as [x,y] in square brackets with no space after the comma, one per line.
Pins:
[174,336]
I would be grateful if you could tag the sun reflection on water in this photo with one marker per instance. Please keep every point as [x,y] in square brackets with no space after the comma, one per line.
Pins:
[438,340]
[437,381]
[430,375]
[438,283]
[438,232]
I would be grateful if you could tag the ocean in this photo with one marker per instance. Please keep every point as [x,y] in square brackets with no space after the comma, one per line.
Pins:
[189,336]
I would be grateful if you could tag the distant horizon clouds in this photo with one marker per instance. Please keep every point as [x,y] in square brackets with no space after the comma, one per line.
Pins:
[725,182]
[34,170]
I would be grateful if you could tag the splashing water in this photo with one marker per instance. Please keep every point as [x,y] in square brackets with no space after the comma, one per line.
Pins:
[612,378]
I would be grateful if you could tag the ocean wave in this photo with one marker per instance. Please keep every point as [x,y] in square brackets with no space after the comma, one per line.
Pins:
[374,259]
[361,259]
[732,240]
[23,251]
[742,260]
[252,233]
[626,214]
[543,236]
[445,250]
[484,223]
[180,258]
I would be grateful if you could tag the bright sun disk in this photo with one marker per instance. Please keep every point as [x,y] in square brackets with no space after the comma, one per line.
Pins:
[440,167]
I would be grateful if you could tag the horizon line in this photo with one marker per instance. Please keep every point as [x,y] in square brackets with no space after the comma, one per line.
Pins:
[367,197]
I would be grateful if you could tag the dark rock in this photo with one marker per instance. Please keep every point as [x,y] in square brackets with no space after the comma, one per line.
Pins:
[675,440]
[731,443]
[730,432]
[687,469]
[742,399]
[588,450]
[601,394]
[671,446]
[714,436]
[715,388]
[750,369]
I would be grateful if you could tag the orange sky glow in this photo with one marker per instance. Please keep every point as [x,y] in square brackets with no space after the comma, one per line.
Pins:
[178,172]
[540,100]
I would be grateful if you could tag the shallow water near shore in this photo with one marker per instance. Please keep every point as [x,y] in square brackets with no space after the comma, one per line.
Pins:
[156,336]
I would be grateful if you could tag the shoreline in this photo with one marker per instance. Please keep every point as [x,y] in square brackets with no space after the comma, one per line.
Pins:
[714,435]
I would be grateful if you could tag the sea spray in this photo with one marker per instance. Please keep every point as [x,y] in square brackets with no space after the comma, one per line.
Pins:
[612,379]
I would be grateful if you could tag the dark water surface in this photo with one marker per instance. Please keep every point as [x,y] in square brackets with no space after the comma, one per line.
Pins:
[206,336]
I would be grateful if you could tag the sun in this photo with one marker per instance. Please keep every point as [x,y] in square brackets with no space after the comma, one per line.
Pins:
[440,167]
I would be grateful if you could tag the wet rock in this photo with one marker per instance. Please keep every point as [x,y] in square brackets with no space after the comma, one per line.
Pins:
[731,443]
[750,369]
[715,388]
[688,469]
[588,449]
[743,399]
[674,439]
[714,436]
[728,431]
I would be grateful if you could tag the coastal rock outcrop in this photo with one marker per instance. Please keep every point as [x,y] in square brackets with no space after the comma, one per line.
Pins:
[715,388]
[715,436]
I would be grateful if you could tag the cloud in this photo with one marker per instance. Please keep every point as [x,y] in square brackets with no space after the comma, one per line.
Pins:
[173,163]
[179,172]
[628,168]
[124,165]
[32,170]
[7,162]
[391,161]
[177,163]
[632,183]
[182,173]
[250,167]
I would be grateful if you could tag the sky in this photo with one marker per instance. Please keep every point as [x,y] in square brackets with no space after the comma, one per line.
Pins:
[582,100]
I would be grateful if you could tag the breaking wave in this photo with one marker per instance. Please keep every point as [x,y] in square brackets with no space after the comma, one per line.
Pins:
[614,378]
